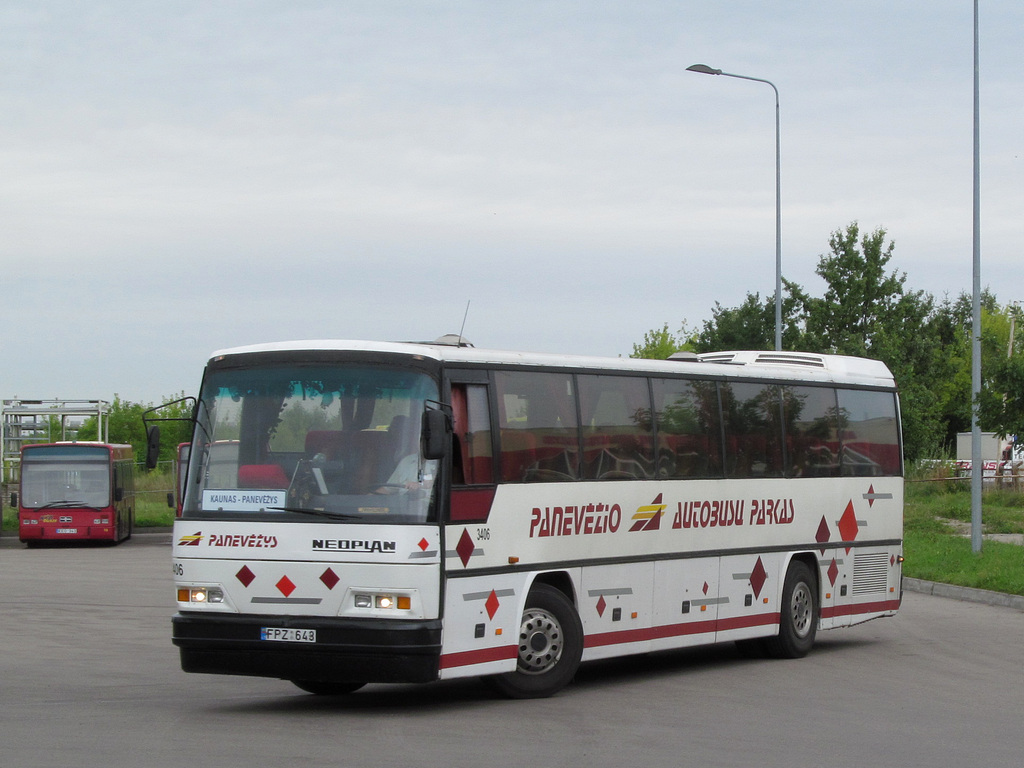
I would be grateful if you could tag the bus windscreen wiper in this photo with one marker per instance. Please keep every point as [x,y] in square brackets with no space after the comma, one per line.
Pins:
[317,513]
[68,505]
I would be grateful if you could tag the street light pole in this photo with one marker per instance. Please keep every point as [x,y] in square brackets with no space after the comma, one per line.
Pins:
[704,69]
[976,467]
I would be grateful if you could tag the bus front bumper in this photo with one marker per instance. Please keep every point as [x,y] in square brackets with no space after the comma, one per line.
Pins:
[346,650]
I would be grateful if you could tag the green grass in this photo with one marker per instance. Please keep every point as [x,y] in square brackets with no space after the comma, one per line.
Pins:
[151,511]
[937,544]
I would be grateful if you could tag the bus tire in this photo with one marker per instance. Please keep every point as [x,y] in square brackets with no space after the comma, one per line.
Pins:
[798,620]
[550,646]
[324,688]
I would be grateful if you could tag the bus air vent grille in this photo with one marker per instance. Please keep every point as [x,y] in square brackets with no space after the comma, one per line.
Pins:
[870,573]
[783,358]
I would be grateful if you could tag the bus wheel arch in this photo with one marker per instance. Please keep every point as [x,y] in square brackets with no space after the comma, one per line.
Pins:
[550,643]
[559,580]
[799,612]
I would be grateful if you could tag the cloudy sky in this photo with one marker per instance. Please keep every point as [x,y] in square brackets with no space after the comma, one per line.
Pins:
[178,177]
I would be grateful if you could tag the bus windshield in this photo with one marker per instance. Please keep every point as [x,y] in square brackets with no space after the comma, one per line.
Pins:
[335,442]
[69,476]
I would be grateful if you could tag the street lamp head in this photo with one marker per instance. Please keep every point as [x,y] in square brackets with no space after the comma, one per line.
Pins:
[704,69]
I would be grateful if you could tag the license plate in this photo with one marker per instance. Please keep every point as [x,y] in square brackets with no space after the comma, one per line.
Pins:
[288,635]
[67,530]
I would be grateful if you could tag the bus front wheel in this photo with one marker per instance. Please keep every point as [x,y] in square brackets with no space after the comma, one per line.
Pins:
[550,646]
[798,622]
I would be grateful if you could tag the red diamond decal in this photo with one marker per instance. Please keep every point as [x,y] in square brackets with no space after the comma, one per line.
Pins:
[424,544]
[848,524]
[823,534]
[871,495]
[892,560]
[601,605]
[329,578]
[285,585]
[245,576]
[758,577]
[833,572]
[705,588]
[492,604]
[465,547]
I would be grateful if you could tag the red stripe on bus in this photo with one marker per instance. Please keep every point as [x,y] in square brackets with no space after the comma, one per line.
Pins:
[679,630]
[857,609]
[482,656]
[757,620]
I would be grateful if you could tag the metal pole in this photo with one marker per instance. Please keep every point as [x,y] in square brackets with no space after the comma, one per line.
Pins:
[976,467]
[1014,308]
[778,226]
[704,69]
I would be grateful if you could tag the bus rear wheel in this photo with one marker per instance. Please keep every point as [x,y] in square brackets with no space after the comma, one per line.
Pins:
[324,688]
[550,646]
[798,622]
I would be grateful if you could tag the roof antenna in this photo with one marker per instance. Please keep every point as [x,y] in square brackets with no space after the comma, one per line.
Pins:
[463,328]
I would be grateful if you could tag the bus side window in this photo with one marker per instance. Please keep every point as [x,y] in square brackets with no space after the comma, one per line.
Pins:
[472,460]
[869,431]
[812,436]
[753,429]
[537,425]
[689,428]
[618,435]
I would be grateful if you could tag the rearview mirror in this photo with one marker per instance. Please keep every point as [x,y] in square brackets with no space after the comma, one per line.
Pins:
[436,429]
[152,446]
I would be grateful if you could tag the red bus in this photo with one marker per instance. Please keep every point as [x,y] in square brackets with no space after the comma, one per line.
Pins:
[76,491]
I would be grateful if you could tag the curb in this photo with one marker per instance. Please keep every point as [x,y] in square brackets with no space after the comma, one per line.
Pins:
[966,594]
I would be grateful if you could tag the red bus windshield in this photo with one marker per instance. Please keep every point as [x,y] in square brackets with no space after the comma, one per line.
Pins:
[65,476]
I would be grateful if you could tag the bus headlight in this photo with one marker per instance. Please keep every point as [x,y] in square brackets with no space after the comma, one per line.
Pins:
[200,595]
[383,601]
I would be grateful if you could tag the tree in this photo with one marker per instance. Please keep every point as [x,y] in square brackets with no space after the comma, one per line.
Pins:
[867,311]
[748,326]
[124,425]
[862,306]
[660,344]
[752,324]
[1001,402]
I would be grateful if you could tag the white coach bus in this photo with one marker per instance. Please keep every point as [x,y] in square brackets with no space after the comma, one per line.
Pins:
[361,512]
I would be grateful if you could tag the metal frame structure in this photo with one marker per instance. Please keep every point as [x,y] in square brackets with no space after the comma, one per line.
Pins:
[25,421]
